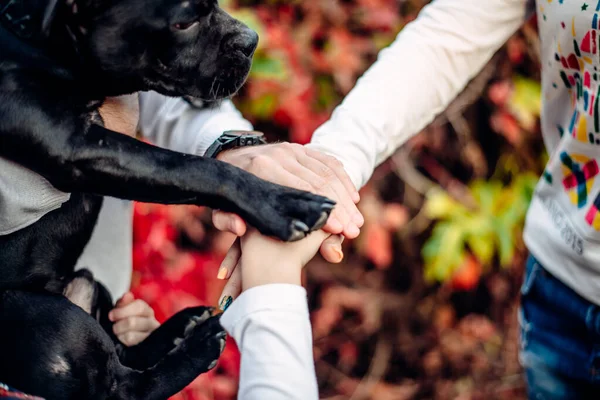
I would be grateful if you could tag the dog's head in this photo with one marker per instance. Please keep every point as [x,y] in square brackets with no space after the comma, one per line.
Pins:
[176,47]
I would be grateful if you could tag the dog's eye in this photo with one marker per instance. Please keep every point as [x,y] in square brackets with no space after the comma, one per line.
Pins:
[184,26]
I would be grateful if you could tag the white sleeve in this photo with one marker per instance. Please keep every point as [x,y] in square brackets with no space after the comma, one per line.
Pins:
[271,326]
[413,80]
[172,123]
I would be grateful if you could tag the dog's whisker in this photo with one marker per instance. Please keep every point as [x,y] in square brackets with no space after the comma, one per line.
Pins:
[23,19]
[211,87]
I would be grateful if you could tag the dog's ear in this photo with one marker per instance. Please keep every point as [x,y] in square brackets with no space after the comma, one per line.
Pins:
[49,15]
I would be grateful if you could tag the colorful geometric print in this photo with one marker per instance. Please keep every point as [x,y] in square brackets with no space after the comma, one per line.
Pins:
[579,173]
[579,74]
[9,393]
[592,217]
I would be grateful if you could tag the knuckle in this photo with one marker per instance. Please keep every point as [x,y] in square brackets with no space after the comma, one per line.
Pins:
[130,323]
[327,173]
[260,162]
[335,163]
[139,305]
[128,338]
[304,186]
[281,152]
[321,185]
[296,148]
[286,145]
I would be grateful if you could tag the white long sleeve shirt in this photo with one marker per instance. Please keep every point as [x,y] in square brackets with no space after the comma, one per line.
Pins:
[271,326]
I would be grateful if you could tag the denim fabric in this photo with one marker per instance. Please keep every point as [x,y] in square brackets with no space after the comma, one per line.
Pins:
[560,339]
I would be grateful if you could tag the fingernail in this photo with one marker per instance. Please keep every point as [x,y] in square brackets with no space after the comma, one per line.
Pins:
[356,197]
[338,252]
[233,226]
[225,303]
[222,273]
[111,316]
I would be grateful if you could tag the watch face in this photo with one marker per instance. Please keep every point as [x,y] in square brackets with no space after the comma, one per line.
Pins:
[243,133]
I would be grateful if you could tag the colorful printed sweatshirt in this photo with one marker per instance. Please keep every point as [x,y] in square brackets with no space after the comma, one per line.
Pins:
[433,59]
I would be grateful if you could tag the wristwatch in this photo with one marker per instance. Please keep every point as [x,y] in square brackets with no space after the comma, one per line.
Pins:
[234,139]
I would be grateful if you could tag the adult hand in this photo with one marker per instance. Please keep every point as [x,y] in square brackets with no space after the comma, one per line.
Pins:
[296,166]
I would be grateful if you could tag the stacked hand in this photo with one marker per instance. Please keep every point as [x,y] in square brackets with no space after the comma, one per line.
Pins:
[301,168]
[255,260]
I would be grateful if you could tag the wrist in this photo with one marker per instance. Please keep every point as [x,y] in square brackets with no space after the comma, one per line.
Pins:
[271,273]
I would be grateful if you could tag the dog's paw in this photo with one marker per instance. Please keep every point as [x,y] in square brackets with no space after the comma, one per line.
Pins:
[291,214]
[194,316]
[205,342]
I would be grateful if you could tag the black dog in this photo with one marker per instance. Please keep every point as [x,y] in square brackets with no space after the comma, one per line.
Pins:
[59,59]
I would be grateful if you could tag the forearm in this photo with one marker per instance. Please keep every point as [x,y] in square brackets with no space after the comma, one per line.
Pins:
[427,66]
[174,124]
[271,327]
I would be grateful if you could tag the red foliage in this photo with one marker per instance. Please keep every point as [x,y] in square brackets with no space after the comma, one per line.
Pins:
[170,280]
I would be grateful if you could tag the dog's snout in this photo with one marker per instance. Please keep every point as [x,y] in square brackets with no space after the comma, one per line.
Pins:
[246,42]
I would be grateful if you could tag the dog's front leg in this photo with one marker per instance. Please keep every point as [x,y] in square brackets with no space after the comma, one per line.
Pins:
[196,354]
[167,337]
[111,164]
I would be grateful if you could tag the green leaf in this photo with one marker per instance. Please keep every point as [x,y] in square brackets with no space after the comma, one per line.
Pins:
[526,102]
[506,244]
[264,107]
[482,247]
[440,205]
[486,194]
[450,254]
[272,67]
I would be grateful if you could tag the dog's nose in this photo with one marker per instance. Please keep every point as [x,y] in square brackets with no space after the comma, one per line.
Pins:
[245,42]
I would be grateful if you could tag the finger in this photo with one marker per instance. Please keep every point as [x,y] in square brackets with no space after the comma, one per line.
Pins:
[135,324]
[343,186]
[126,299]
[132,338]
[331,249]
[339,170]
[138,308]
[228,222]
[326,183]
[232,289]
[230,261]
[339,217]
[287,176]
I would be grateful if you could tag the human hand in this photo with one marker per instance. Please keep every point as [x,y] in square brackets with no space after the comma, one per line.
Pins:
[265,260]
[301,168]
[121,114]
[133,320]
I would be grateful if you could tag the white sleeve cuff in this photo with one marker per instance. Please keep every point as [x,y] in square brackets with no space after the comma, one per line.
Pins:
[272,297]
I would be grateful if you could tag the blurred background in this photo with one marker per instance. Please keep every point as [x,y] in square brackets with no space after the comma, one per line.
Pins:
[424,305]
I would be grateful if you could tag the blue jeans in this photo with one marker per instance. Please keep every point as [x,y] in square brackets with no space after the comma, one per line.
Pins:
[560,339]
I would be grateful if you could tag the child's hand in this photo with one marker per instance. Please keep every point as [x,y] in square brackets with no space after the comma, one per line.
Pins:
[133,320]
[265,260]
